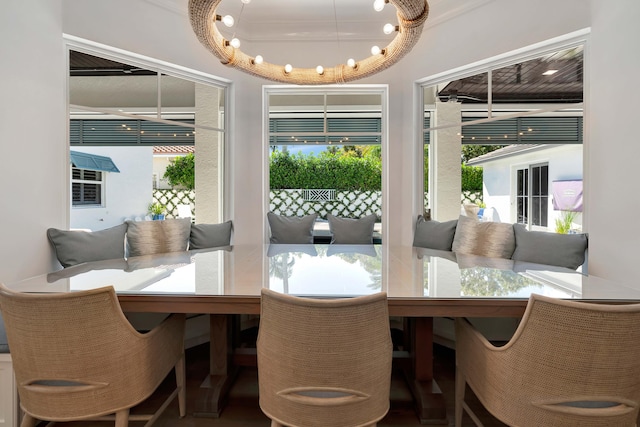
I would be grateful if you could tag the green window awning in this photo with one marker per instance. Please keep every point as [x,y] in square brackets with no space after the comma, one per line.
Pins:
[93,162]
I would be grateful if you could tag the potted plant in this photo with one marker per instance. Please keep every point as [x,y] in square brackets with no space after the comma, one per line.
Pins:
[565,222]
[156,210]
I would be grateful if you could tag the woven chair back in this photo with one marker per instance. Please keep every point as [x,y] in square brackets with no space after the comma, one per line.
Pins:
[76,356]
[568,354]
[324,362]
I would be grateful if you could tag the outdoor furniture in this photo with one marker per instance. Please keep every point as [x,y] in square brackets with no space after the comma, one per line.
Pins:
[76,357]
[324,362]
[184,211]
[568,364]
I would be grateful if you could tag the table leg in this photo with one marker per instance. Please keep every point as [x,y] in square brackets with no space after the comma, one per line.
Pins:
[430,404]
[212,396]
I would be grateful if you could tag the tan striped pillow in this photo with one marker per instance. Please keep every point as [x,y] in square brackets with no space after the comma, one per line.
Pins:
[156,237]
[489,239]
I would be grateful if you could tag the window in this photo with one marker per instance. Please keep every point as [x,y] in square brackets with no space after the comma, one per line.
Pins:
[532,195]
[87,187]
[516,124]
[144,112]
[325,151]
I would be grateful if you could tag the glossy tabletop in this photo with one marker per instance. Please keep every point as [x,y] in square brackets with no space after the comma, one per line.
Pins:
[419,282]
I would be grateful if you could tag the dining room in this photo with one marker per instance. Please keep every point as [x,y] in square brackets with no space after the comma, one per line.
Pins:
[458,41]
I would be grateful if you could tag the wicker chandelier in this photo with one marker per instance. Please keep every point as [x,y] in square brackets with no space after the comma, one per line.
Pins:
[411,17]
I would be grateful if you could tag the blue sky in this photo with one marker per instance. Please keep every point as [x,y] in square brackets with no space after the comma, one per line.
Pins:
[307,149]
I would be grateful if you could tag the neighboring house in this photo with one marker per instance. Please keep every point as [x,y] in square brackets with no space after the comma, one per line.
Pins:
[163,155]
[532,183]
[110,185]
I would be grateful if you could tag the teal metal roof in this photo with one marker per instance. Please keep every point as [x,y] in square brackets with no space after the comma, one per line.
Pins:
[93,162]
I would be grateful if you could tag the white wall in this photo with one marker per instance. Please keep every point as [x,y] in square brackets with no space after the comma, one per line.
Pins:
[34,172]
[160,164]
[494,28]
[611,172]
[499,185]
[127,193]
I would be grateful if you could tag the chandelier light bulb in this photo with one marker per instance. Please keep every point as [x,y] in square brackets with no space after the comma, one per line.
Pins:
[288,68]
[378,5]
[320,70]
[258,59]
[228,20]
[375,50]
[235,42]
[389,28]
[351,62]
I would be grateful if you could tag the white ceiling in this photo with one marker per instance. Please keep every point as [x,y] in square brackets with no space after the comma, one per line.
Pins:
[315,20]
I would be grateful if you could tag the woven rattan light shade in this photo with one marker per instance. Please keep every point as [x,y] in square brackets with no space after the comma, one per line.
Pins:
[411,17]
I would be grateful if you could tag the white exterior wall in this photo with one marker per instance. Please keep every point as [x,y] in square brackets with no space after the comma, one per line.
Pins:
[127,194]
[160,163]
[35,201]
[499,178]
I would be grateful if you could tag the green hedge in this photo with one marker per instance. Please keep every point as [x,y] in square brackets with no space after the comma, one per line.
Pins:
[471,178]
[343,173]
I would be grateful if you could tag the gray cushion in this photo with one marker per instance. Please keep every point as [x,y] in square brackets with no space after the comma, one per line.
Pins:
[4,343]
[489,239]
[562,250]
[75,247]
[433,234]
[210,235]
[348,231]
[156,237]
[291,229]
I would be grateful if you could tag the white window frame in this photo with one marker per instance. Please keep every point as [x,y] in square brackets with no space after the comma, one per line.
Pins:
[101,183]
[98,49]
[365,89]
[529,168]
[566,41]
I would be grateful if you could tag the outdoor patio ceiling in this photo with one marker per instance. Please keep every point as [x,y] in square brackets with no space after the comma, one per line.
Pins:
[550,79]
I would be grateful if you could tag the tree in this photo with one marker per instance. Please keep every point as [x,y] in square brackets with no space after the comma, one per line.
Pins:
[182,172]
[470,151]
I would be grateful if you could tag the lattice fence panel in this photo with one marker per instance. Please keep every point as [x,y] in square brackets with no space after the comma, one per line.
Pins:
[172,198]
[350,204]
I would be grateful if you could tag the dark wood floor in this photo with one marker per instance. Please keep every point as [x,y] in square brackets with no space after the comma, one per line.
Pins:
[243,410]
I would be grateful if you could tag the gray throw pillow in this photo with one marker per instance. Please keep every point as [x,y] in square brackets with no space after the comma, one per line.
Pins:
[210,235]
[75,247]
[488,239]
[562,250]
[433,234]
[291,229]
[156,237]
[348,231]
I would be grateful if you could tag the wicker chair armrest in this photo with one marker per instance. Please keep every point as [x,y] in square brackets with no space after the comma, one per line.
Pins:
[486,368]
[162,347]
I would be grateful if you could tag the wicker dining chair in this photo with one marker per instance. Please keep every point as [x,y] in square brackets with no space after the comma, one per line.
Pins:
[76,357]
[568,364]
[324,362]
